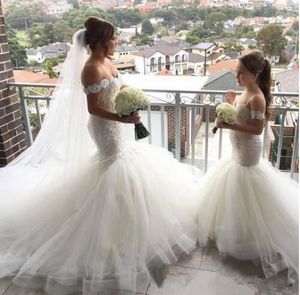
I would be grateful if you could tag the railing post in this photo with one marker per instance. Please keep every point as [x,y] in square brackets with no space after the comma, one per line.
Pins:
[149,124]
[177,126]
[280,139]
[206,137]
[162,119]
[27,126]
[295,147]
[193,133]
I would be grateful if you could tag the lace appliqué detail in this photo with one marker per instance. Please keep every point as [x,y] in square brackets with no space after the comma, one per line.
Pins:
[96,87]
[258,115]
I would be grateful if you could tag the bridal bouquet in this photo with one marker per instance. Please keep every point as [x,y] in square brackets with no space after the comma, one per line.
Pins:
[225,113]
[130,100]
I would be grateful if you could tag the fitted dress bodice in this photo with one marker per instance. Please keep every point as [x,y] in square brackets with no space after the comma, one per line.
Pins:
[106,133]
[246,147]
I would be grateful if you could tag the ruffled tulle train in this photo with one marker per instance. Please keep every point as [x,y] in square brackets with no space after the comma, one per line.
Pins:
[99,228]
[252,214]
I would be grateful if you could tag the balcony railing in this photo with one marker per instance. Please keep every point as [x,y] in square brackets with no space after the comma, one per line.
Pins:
[194,102]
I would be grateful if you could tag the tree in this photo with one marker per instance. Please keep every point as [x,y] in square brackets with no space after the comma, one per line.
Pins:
[147,27]
[246,31]
[271,41]
[196,35]
[17,52]
[233,46]
[22,16]
[142,40]
[37,35]
[215,22]
[48,67]
[125,18]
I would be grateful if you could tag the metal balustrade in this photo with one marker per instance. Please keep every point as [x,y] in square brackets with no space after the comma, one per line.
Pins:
[205,100]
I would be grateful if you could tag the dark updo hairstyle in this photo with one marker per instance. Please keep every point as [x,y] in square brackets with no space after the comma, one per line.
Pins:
[98,32]
[256,64]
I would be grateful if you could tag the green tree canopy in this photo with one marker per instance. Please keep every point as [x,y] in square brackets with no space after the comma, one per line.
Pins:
[17,52]
[233,46]
[244,31]
[215,22]
[22,15]
[147,27]
[197,35]
[270,40]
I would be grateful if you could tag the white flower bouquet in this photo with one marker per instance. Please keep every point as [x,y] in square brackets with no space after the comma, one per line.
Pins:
[226,113]
[130,100]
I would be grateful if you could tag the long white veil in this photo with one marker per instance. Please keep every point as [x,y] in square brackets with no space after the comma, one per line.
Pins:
[64,135]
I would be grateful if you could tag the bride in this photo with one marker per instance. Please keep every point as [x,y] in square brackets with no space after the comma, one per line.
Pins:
[248,207]
[82,210]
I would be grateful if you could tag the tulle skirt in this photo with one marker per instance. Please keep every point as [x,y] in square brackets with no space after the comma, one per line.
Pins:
[98,227]
[252,214]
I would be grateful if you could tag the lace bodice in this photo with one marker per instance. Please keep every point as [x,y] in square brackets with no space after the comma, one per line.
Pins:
[246,147]
[105,133]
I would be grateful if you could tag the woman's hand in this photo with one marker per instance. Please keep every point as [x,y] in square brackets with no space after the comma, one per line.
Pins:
[131,119]
[230,96]
[220,124]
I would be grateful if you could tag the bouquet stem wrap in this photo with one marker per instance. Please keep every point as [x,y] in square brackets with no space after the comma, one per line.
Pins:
[130,100]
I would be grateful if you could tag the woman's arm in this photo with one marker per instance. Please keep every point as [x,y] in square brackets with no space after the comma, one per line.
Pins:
[256,124]
[90,76]
[94,108]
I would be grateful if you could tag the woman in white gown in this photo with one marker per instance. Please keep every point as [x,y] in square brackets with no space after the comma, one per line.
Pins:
[78,215]
[248,207]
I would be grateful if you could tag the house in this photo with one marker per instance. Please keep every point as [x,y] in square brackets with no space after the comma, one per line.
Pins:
[58,8]
[147,7]
[285,81]
[196,64]
[50,51]
[247,43]
[203,48]
[223,80]
[125,54]
[222,65]
[154,59]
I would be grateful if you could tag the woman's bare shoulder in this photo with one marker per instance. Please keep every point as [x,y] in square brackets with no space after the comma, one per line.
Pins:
[91,73]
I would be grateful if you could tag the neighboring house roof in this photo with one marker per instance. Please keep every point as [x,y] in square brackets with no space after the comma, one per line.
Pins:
[221,81]
[232,55]
[249,42]
[214,55]
[288,81]
[222,65]
[178,43]
[31,77]
[130,48]
[166,50]
[52,50]
[195,58]
[203,46]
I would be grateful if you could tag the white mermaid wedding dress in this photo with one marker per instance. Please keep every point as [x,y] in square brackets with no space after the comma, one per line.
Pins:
[249,208]
[88,222]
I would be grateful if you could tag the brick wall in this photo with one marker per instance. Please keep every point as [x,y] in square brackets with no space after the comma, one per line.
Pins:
[12,136]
